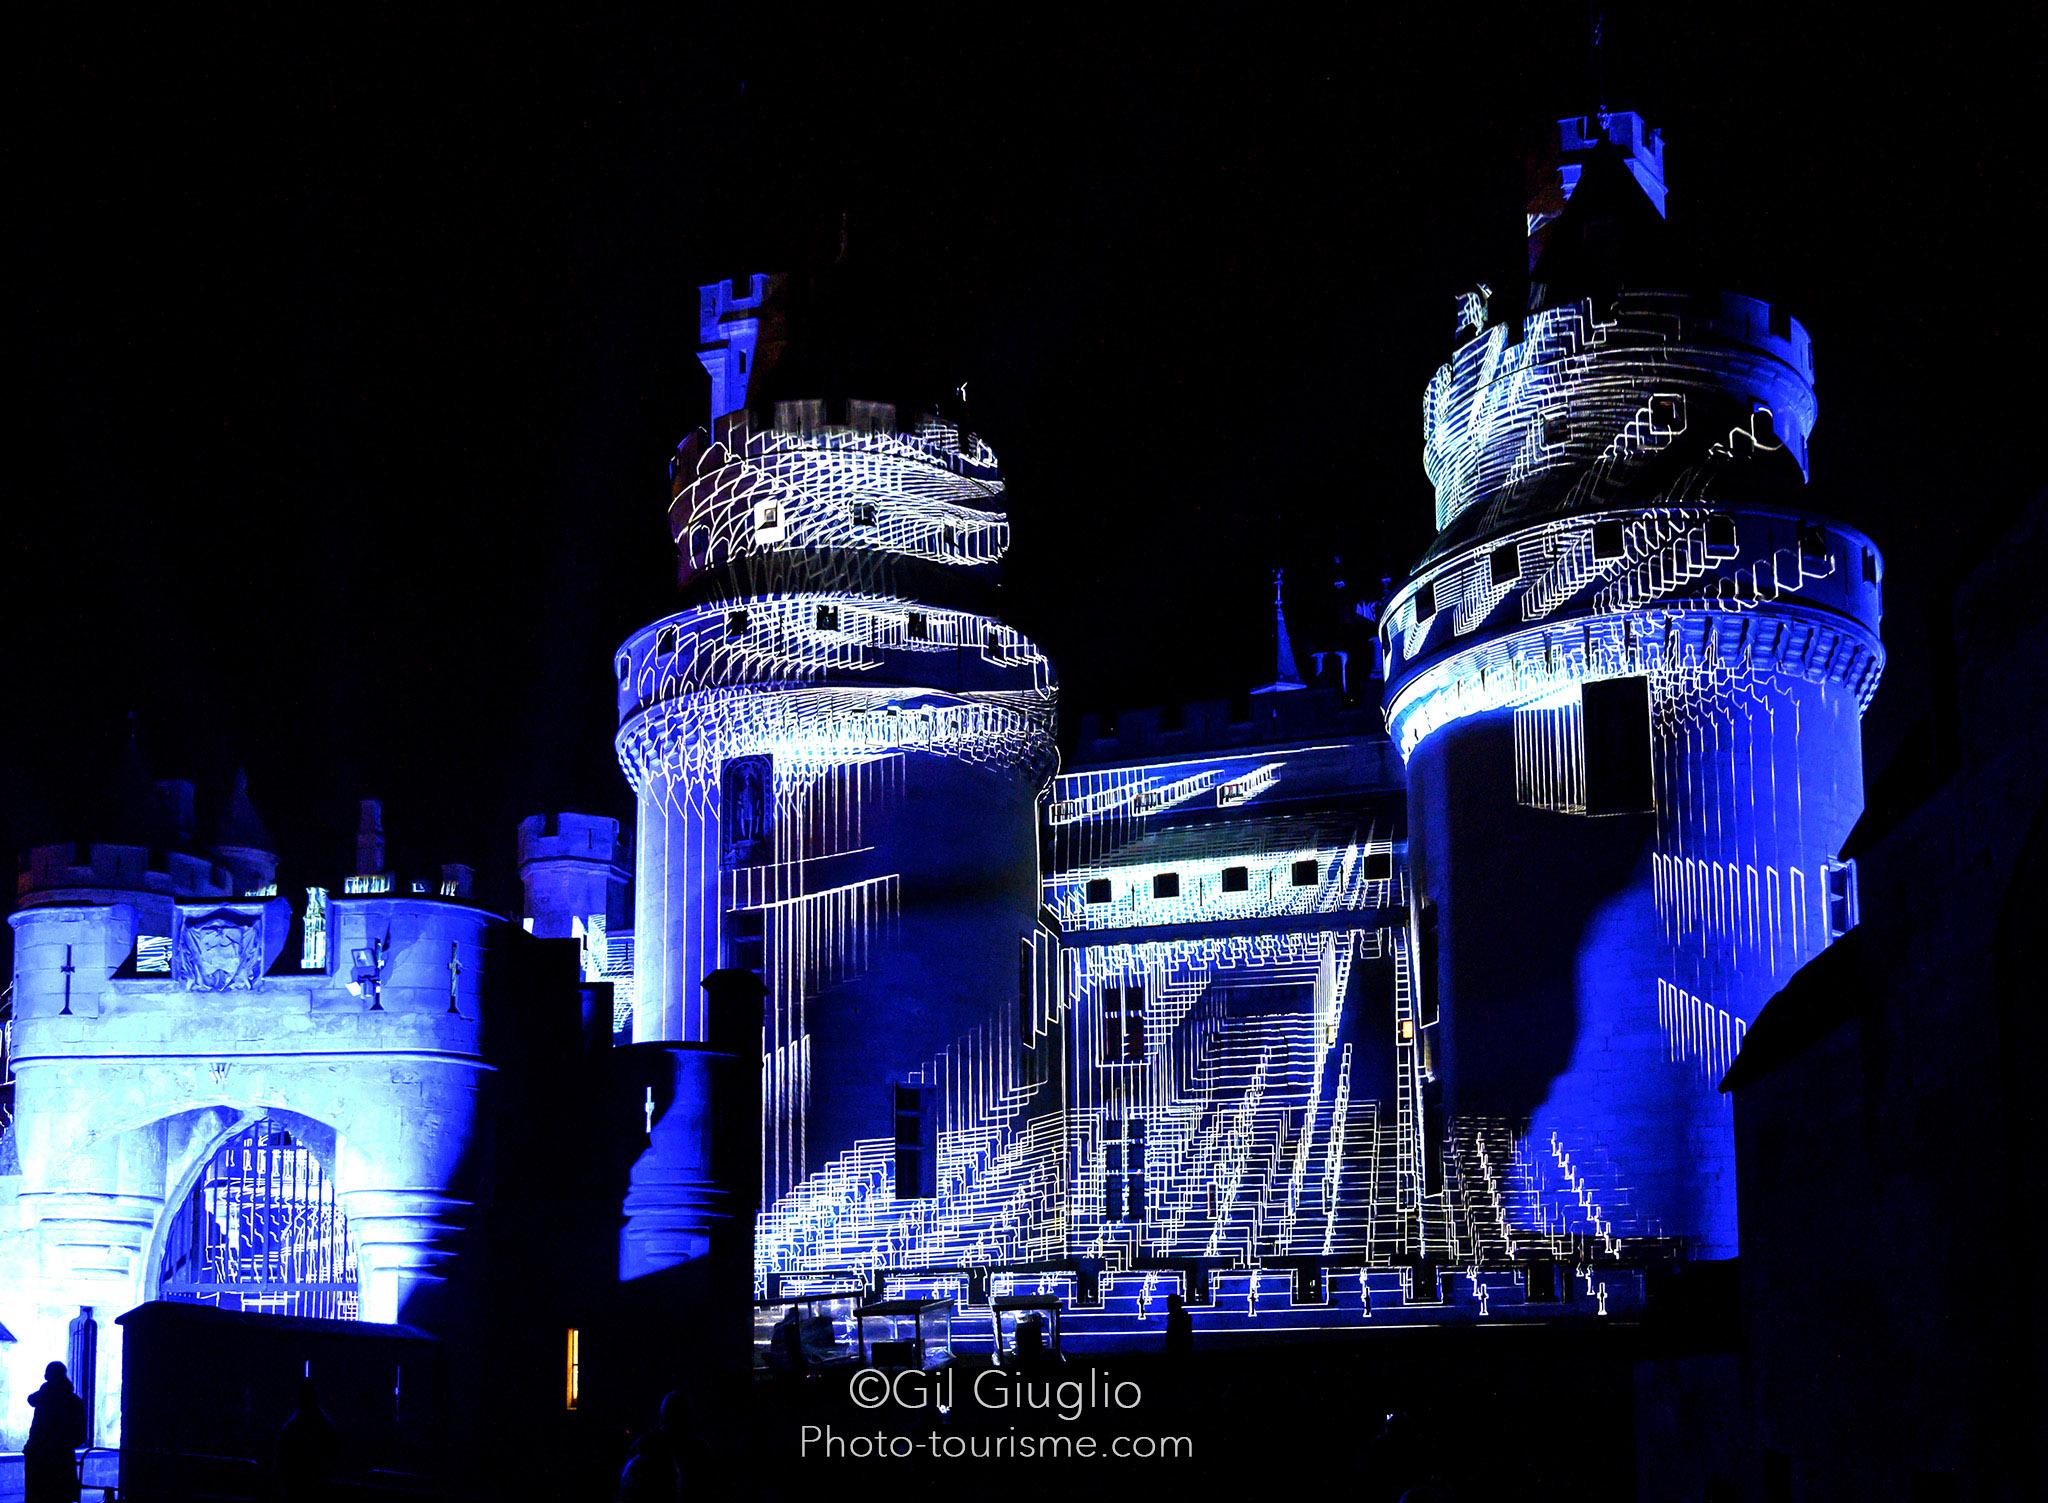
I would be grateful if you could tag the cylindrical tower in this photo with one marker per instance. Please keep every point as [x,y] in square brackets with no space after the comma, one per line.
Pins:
[1628,678]
[837,751]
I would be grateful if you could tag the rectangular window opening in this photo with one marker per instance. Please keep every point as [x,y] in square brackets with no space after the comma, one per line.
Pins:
[1615,720]
[1506,564]
[1721,541]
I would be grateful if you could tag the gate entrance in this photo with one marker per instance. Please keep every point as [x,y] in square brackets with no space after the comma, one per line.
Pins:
[261,1232]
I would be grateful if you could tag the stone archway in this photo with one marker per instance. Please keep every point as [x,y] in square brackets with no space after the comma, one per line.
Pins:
[257,1225]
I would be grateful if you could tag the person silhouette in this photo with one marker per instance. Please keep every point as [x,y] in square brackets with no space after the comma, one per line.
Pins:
[1180,1327]
[1031,1352]
[50,1459]
[786,1345]
[308,1451]
[654,1470]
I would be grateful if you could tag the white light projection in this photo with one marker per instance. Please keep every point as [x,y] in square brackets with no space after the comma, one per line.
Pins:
[1629,583]
[810,487]
[1211,945]
[783,733]
[1561,418]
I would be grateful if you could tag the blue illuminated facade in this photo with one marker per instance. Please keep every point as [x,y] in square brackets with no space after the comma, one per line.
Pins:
[1392,992]
[224,1096]
[1627,680]
[837,753]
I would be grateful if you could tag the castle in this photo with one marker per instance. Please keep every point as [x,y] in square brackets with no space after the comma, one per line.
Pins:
[1389,994]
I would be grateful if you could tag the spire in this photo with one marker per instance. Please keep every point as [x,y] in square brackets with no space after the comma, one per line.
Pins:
[1285,675]
[1585,145]
[241,843]
[239,826]
[1600,225]
[133,808]
[1597,58]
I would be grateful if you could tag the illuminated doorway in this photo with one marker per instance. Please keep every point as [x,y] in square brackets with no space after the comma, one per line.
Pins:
[261,1232]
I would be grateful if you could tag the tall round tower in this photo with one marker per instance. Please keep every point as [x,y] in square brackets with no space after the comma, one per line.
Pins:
[837,751]
[1628,679]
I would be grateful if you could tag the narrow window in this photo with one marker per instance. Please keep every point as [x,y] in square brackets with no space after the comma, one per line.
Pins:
[1425,602]
[1124,1183]
[735,624]
[1123,1024]
[916,1163]
[665,640]
[1027,1012]
[1840,878]
[572,1381]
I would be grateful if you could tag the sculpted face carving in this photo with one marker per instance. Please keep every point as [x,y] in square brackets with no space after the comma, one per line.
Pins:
[221,953]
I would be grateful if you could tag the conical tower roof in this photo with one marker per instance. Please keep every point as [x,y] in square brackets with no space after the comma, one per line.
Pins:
[238,826]
[1610,235]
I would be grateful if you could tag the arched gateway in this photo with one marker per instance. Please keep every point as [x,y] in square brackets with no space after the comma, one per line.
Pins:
[262,1230]
[220,1101]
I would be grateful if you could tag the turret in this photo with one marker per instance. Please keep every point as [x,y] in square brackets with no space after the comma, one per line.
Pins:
[836,748]
[1627,677]
[575,870]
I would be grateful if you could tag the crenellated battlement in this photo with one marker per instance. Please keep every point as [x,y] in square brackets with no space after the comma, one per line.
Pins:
[572,837]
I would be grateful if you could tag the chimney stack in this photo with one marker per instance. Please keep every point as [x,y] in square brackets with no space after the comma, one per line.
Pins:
[370,838]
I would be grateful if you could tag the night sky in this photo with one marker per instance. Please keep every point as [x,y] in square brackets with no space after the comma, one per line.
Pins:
[348,358]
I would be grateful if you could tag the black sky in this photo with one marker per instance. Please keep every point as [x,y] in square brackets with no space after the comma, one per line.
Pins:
[348,353]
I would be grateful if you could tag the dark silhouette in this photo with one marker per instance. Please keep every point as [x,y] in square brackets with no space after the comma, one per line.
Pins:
[786,1345]
[50,1459]
[654,1470]
[1395,1460]
[1031,1351]
[308,1451]
[1180,1327]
